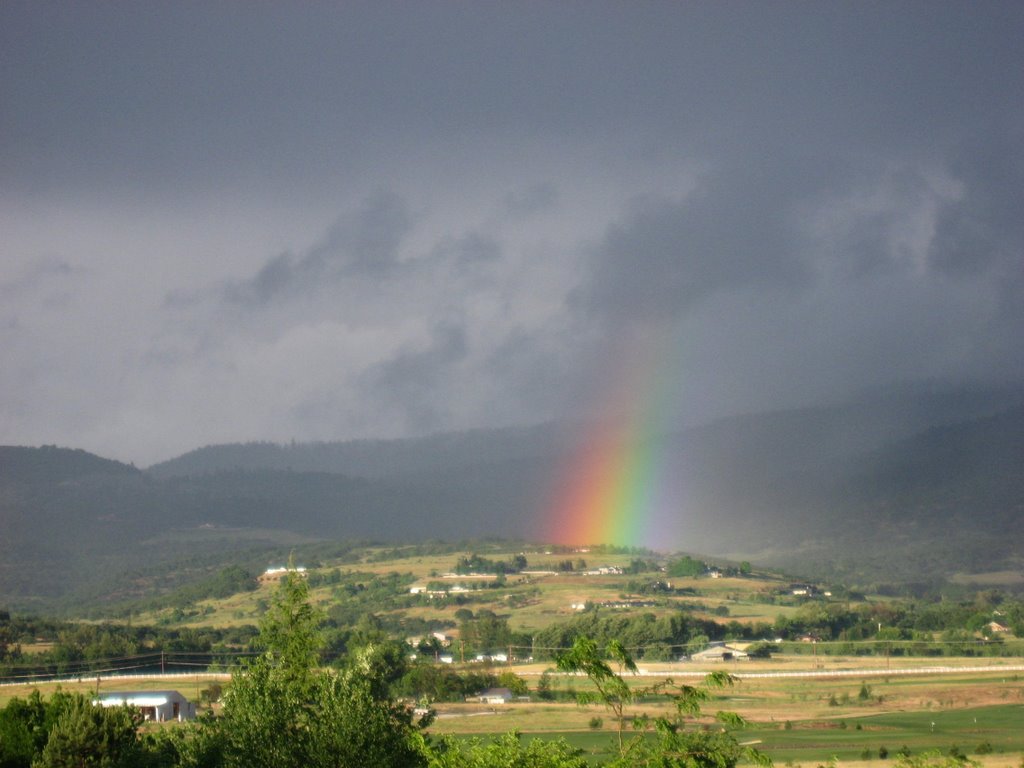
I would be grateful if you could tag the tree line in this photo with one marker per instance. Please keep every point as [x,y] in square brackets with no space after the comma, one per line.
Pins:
[369,606]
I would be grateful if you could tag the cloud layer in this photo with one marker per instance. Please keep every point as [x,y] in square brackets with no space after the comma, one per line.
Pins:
[381,220]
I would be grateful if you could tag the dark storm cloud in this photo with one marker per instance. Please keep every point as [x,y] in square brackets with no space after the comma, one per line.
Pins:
[539,197]
[36,276]
[984,227]
[364,245]
[468,250]
[979,239]
[182,95]
[870,242]
[409,383]
[817,197]
[735,229]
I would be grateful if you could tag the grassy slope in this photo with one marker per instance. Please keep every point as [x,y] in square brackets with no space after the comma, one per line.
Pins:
[557,593]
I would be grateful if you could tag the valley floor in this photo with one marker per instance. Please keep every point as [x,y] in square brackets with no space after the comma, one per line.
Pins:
[808,712]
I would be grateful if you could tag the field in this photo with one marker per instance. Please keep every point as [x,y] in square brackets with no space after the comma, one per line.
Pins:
[533,600]
[810,720]
[795,720]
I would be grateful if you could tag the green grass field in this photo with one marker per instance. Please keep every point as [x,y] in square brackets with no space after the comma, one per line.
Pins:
[807,721]
[998,731]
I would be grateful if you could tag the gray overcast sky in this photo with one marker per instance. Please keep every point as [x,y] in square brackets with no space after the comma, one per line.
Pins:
[237,221]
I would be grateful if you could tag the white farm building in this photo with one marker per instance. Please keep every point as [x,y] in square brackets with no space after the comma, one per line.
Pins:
[155,705]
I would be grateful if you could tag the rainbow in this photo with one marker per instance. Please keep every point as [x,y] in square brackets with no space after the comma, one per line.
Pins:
[617,485]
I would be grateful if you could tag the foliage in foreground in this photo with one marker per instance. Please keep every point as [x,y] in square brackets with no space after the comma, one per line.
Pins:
[507,751]
[678,744]
[283,711]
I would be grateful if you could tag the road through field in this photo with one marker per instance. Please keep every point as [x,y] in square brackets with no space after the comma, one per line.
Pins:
[823,673]
[535,670]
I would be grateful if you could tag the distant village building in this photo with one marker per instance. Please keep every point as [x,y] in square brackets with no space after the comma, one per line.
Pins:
[493,696]
[604,570]
[719,651]
[274,573]
[158,706]
[420,589]
[443,640]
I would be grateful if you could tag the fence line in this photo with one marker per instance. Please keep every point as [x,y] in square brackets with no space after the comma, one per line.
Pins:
[136,676]
[815,673]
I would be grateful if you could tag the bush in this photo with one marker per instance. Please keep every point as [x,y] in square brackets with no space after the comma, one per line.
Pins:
[596,723]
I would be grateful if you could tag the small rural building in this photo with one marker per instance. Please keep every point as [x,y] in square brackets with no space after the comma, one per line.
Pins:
[276,573]
[157,706]
[494,696]
[720,652]
[803,590]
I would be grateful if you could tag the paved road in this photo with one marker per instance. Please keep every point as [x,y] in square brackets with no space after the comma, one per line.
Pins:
[822,673]
[675,672]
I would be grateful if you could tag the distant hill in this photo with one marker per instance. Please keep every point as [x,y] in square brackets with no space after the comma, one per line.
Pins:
[947,499]
[894,488]
[798,438]
[372,458]
[51,464]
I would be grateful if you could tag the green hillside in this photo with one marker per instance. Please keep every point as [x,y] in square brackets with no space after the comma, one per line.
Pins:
[828,493]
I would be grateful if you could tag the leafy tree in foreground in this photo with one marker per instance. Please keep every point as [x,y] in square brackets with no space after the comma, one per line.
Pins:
[87,735]
[283,712]
[507,751]
[675,745]
[935,759]
[16,743]
[612,690]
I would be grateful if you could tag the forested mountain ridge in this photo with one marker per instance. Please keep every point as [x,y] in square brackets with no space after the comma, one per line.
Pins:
[948,499]
[51,464]
[898,489]
[372,458]
[787,439]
